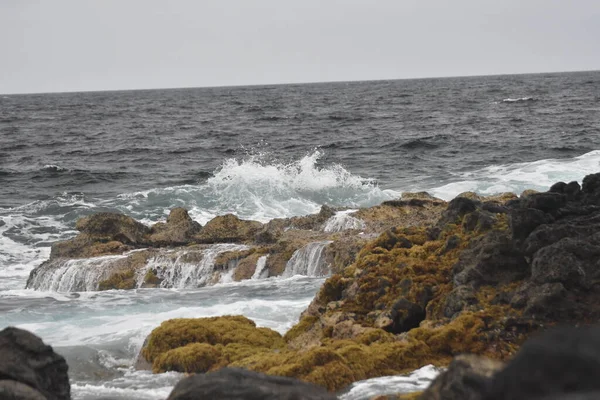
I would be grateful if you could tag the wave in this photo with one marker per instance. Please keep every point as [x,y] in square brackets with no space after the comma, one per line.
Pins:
[519,100]
[418,144]
[53,168]
[516,178]
[260,188]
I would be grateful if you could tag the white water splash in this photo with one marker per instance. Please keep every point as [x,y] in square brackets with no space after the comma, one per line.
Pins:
[261,272]
[261,189]
[342,220]
[415,381]
[308,261]
[538,175]
[76,275]
[175,271]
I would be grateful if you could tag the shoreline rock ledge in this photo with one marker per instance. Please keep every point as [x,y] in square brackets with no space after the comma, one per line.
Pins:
[480,279]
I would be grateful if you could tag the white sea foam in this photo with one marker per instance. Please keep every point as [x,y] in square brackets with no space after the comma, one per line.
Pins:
[308,261]
[259,189]
[518,100]
[413,382]
[539,175]
[342,220]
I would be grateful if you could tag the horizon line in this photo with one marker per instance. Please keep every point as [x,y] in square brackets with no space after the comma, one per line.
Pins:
[296,83]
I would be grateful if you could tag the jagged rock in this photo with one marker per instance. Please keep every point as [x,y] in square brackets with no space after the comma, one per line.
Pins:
[28,367]
[459,299]
[236,384]
[561,361]
[179,229]
[228,229]
[113,226]
[490,260]
[591,188]
[465,379]
[457,208]
[572,262]
[546,301]
[478,221]
[547,202]
[523,221]
[418,196]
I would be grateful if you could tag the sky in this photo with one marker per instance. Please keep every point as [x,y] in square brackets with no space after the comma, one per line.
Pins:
[82,45]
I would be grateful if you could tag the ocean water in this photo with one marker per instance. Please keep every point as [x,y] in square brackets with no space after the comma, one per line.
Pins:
[260,152]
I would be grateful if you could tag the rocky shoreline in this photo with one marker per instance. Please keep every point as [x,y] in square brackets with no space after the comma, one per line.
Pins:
[413,282]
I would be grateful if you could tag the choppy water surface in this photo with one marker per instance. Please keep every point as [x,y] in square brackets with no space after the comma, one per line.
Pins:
[260,152]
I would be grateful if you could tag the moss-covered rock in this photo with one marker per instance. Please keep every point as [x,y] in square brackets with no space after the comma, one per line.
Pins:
[228,229]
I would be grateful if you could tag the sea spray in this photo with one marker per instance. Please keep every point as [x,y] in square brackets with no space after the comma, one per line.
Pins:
[308,261]
[261,189]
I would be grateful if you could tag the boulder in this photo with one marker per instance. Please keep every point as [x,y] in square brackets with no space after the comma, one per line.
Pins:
[523,221]
[179,229]
[29,369]
[465,379]
[237,384]
[228,229]
[572,262]
[559,362]
[113,226]
[548,202]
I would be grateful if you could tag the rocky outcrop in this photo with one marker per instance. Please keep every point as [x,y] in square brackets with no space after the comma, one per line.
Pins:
[480,279]
[29,369]
[561,364]
[465,379]
[113,251]
[235,384]
[179,230]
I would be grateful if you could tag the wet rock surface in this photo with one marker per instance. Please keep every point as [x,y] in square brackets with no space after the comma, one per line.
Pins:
[234,384]
[29,369]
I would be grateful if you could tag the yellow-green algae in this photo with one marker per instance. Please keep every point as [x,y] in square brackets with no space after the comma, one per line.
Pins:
[402,262]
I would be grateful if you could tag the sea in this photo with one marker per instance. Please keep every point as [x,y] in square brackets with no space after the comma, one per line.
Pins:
[260,152]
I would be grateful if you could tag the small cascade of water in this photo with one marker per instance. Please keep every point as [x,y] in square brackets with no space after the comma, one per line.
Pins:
[74,275]
[308,261]
[261,271]
[342,220]
[181,269]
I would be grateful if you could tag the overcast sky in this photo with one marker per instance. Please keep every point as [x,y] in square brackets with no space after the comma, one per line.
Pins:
[73,45]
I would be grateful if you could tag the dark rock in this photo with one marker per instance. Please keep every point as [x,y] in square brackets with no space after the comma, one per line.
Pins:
[465,379]
[478,221]
[494,207]
[238,384]
[547,301]
[26,360]
[523,221]
[489,260]
[572,190]
[451,243]
[113,226]
[461,298]
[456,209]
[591,185]
[560,361]
[574,263]
[547,202]
[546,235]
[405,315]
[13,390]
[558,187]
[179,229]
